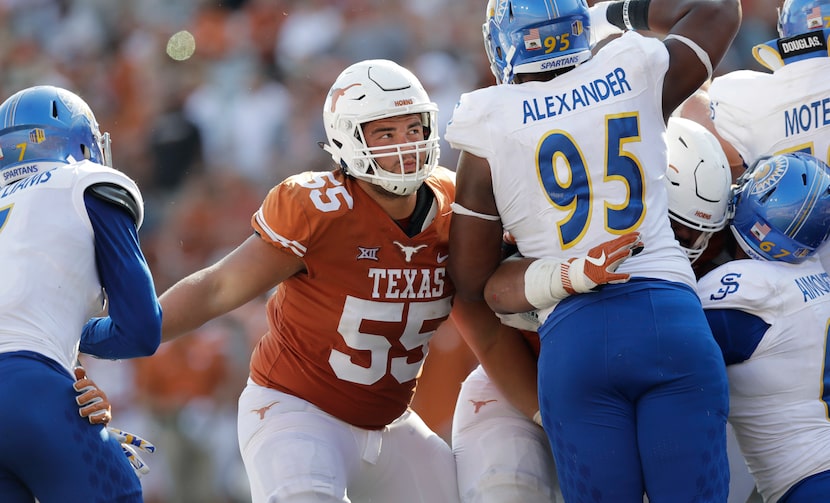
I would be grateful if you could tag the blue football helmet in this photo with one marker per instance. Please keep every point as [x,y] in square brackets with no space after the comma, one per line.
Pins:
[800,16]
[44,126]
[782,207]
[530,36]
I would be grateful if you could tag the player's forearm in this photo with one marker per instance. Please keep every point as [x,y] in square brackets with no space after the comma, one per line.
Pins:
[502,351]
[511,365]
[505,290]
[189,304]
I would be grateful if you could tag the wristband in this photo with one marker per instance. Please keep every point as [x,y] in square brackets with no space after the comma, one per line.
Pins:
[629,14]
[601,28]
[547,282]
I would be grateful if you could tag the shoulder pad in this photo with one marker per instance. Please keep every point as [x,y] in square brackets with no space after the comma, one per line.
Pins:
[116,195]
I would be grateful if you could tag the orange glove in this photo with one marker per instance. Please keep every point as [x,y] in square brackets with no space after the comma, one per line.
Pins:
[599,267]
[548,281]
[93,402]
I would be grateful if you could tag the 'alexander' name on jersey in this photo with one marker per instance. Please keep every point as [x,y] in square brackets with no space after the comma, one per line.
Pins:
[614,84]
[407,283]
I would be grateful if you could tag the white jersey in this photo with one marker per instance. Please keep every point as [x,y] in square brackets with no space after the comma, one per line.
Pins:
[50,285]
[778,403]
[580,159]
[763,114]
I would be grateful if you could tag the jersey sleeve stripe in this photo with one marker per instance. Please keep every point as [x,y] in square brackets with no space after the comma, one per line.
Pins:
[297,248]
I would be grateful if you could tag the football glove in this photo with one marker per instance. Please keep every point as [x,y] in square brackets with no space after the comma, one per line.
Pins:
[95,406]
[130,444]
[548,281]
[93,402]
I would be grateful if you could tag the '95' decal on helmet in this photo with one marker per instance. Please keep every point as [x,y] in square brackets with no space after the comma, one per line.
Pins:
[730,285]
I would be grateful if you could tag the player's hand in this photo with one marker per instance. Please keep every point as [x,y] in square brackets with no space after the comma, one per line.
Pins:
[93,402]
[600,266]
[130,444]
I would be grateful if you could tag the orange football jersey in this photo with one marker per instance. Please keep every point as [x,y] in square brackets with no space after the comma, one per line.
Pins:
[351,333]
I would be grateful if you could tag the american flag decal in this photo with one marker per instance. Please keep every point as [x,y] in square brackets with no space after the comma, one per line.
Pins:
[760,230]
[532,40]
[814,18]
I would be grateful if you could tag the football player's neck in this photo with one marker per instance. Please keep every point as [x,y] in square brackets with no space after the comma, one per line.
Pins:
[396,206]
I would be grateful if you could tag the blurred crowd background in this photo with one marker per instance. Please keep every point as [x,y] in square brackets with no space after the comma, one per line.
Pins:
[206,137]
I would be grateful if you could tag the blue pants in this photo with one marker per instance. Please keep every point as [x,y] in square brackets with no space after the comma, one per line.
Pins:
[47,450]
[634,396]
[813,488]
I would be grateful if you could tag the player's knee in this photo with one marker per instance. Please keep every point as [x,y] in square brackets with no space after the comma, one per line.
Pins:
[305,492]
[502,484]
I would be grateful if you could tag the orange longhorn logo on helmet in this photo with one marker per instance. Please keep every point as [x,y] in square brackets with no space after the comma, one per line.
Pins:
[338,92]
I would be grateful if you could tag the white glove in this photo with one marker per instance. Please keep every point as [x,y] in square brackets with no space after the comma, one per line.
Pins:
[129,444]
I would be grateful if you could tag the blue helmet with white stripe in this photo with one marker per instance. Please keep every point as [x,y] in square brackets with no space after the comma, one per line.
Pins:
[800,16]
[782,208]
[531,36]
[44,126]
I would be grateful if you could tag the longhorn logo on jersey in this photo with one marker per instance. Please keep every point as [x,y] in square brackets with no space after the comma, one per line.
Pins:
[409,251]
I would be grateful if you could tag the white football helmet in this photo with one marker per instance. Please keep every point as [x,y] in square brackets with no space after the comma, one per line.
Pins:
[699,181]
[372,90]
